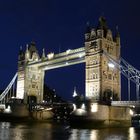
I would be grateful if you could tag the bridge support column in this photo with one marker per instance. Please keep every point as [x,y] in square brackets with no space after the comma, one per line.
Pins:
[137,89]
[34,85]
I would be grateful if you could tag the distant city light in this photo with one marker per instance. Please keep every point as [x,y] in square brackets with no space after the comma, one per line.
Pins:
[48,108]
[8,110]
[2,106]
[80,112]
[94,107]
[83,107]
[74,107]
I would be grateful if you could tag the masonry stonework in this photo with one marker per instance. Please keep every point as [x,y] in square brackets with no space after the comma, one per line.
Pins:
[102,80]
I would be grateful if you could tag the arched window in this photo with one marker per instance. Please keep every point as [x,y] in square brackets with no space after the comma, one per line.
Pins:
[94,76]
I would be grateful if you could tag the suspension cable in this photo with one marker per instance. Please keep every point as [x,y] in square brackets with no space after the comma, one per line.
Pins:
[131,73]
[5,92]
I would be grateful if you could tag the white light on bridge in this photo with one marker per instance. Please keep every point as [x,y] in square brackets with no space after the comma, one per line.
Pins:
[111,65]
[48,108]
[133,106]
[13,97]
[50,55]
[68,51]
[131,112]
[80,55]
[80,112]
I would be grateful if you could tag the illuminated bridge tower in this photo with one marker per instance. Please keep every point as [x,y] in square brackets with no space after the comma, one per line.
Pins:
[102,77]
[30,80]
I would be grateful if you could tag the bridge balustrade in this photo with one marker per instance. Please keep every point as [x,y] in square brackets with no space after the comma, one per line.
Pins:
[125,103]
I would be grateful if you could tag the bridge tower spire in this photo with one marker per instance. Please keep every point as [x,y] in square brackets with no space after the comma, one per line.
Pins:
[43,54]
[102,81]
[21,74]
[27,53]
[74,92]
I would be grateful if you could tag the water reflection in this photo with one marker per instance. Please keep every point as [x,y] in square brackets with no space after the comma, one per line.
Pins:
[54,131]
[105,134]
[94,135]
[4,130]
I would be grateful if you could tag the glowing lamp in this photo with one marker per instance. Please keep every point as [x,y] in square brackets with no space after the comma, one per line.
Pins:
[94,107]
[131,112]
[74,107]
[111,65]
[50,55]
[68,51]
[83,106]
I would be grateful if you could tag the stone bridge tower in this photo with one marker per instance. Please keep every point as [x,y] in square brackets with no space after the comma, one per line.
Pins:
[30,80]
[102,77]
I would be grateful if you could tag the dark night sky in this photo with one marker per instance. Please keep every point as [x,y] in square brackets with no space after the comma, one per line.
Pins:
[59,25]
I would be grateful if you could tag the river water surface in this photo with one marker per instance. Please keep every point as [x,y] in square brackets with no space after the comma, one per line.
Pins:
[57,131]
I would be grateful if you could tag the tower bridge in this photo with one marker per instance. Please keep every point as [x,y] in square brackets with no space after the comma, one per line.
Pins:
[103,67]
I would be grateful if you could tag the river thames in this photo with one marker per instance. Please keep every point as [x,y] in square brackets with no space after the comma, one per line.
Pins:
[57,131]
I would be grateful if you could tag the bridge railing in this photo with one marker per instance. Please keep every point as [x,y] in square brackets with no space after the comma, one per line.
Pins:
[125,103]
[69,52]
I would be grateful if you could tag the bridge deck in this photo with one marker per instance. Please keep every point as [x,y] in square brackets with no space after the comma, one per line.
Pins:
[126,103]
[70,57]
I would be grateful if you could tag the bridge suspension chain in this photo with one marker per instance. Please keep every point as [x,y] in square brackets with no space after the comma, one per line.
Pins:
[5,92]
[130,72]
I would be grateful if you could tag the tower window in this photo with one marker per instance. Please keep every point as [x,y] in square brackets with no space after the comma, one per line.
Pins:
[95,62]
[109,76]
[33,86]
[90,77]
[94,44]
[94,76]
[108,49]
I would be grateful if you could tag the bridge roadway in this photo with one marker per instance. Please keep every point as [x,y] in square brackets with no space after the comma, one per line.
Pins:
[126,103]
[70,57]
